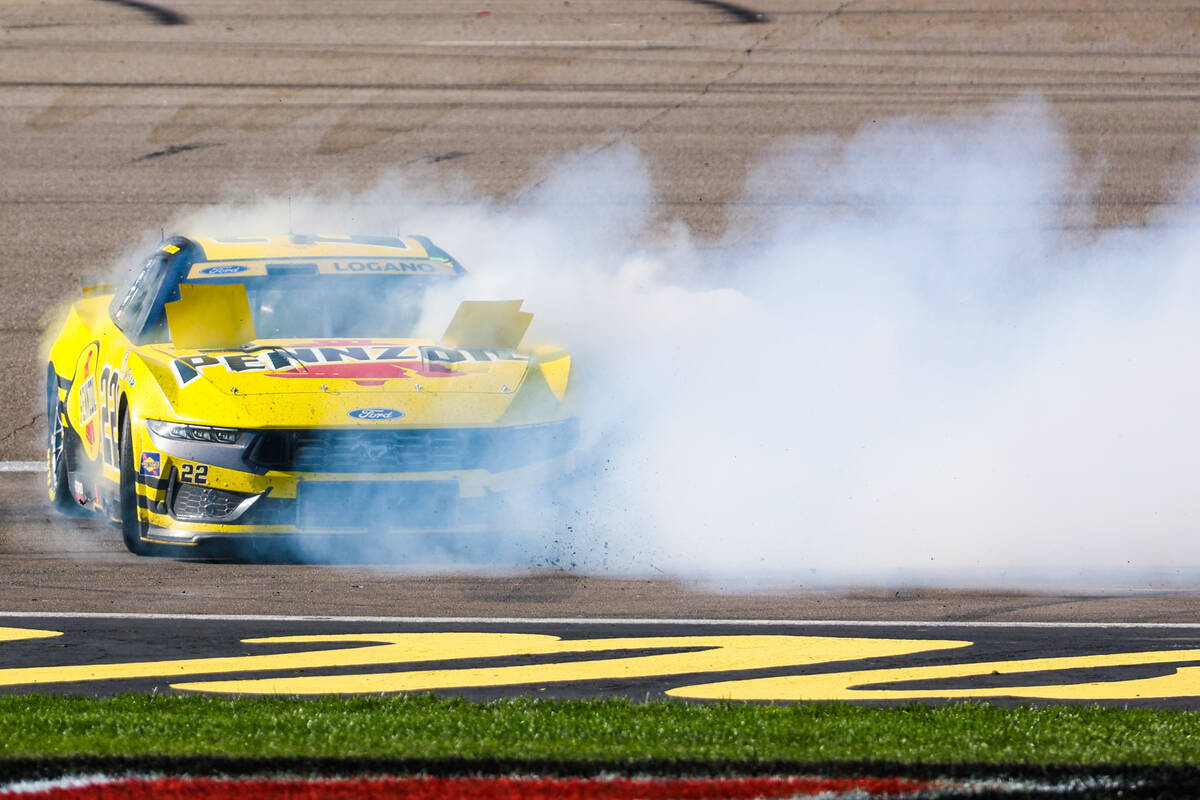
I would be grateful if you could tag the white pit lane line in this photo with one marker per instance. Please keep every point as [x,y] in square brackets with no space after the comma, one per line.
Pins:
[22,466]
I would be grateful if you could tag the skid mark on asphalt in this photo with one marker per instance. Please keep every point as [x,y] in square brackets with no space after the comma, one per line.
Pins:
[160,14]
[279,110]
[739,13]
[372,122]
[74,106]
[191,120]
[175,148]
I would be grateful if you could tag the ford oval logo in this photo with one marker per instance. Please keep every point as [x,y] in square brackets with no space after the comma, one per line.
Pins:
[224,269]
[373,414]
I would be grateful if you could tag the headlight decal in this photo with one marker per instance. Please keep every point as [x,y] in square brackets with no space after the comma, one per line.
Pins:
[204,444]
[194,433]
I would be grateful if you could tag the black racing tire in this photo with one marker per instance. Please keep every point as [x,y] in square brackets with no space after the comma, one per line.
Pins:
[132,528]
[57,479]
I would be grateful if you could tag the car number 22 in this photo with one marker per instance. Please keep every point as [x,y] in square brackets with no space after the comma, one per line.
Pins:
[193,473]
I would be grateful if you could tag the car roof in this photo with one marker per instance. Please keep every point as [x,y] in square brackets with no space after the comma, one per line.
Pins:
[292,245]
[212,259]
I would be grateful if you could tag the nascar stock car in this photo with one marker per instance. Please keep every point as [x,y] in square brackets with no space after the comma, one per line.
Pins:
[271,385]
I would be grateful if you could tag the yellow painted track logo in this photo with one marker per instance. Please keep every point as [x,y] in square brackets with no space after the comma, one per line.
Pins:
[683,660]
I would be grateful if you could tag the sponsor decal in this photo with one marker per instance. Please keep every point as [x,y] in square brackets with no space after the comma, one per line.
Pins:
[151,465]
[110,424]
[373,414]
[348,359]
[397,265]
[194,473]
[384,266]
[86,399]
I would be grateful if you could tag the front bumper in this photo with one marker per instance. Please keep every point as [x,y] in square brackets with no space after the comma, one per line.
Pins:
[447,481]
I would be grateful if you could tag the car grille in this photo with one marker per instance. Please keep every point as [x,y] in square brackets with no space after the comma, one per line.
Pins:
[203,503]
[412,450]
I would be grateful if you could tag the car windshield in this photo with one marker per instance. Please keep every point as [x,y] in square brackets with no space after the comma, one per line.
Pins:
[335,306]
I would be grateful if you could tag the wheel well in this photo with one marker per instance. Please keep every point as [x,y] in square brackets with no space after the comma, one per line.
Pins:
[52,402]
[122,408]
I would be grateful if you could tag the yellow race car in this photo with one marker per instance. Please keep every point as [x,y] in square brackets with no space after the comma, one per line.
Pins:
[270,385]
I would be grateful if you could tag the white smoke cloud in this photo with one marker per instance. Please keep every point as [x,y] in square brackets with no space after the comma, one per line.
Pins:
[900,369]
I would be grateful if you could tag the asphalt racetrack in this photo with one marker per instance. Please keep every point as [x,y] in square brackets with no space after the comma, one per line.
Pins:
[117,116]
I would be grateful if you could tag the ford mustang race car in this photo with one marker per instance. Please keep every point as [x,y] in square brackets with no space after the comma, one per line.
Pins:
[270,385]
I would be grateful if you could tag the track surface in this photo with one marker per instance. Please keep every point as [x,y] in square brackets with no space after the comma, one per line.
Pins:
[116,116]
[66,565]
[641,659]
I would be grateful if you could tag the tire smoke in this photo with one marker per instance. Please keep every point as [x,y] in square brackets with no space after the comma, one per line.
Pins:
[896,367]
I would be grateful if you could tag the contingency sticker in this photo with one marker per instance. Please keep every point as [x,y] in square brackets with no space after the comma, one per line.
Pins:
[151,464]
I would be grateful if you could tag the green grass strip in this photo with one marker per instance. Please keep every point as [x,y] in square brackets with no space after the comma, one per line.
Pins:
[428,727]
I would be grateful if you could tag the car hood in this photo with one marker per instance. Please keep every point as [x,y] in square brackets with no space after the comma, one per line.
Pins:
[340,381]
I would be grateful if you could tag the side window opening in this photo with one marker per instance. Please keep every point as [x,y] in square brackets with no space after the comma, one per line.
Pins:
[134,305]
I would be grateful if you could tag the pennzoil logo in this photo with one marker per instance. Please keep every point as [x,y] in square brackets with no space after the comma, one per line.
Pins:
[362,361]
[87,400]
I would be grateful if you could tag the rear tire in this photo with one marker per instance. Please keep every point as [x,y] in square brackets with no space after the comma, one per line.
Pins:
[132,527]
[57,480]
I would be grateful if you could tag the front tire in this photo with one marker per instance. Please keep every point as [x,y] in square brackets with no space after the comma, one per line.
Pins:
[57,480]
[132,528]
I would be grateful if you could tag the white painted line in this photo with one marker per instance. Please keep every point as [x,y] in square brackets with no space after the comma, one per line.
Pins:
[22,466]
[852,623]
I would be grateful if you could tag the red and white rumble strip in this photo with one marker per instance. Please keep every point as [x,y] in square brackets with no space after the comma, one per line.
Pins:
[100,787]
[465,788]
